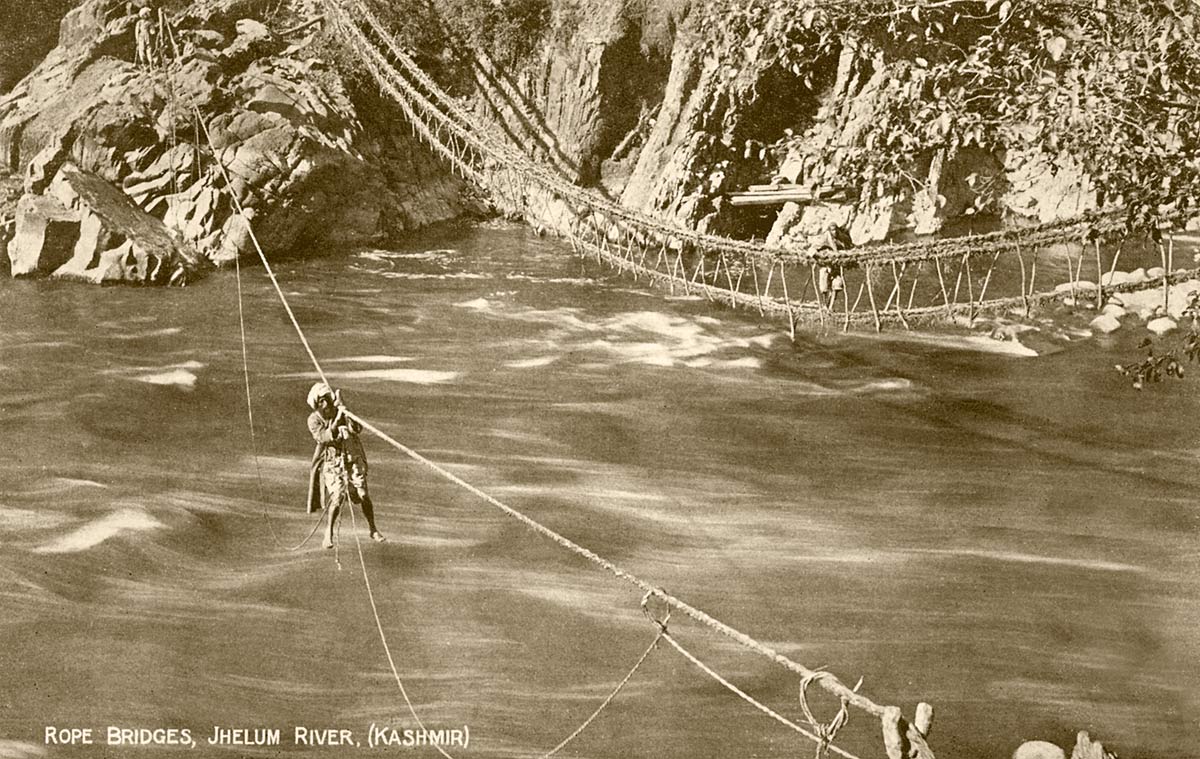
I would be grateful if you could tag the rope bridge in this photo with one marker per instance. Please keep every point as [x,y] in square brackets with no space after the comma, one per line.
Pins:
[903,283]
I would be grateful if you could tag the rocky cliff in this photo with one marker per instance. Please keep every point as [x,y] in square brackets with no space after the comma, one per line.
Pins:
[636,99]
[315,167]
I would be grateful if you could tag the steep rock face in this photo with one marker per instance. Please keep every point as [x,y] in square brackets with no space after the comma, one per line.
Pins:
[703,124]
[295,147]
[579,103]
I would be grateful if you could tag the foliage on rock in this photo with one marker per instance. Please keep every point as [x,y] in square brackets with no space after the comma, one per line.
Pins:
[1115,84]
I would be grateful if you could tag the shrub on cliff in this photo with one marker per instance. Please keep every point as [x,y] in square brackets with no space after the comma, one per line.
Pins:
[1114,85]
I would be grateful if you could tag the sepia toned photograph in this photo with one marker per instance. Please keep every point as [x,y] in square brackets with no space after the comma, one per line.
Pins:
[600,379]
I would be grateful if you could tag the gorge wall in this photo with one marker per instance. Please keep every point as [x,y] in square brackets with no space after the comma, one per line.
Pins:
[633,98]
[630,97]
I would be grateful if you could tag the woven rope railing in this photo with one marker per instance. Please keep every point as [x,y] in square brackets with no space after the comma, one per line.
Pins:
[740,273]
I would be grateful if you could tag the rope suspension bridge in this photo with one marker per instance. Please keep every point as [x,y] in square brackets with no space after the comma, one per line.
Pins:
[903,283]
[915,276]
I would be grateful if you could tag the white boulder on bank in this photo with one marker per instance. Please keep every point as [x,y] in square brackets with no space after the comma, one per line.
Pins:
[1162,325]
[1105,323]
[1039,750]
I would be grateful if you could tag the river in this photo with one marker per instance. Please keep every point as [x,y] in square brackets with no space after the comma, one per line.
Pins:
[1013,540]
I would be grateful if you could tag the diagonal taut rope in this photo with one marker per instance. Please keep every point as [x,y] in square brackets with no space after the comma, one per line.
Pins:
[751,700]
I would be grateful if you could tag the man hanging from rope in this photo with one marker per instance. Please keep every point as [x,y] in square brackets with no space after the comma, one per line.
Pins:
[339,464]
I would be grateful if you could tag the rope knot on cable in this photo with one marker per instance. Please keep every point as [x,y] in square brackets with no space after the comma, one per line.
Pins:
[660,617]
[826,732]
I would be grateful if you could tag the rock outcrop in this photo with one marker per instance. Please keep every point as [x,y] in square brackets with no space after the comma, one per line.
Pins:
[86,229]
[316,171]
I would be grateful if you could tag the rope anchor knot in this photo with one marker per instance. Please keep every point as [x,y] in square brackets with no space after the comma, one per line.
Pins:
[826,732]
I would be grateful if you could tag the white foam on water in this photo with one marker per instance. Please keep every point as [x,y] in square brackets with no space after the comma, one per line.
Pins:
[650,338]
[426,275]
[188,365]
[977,343]
[27,519]
[20,750]
[370,360]
[1029,558]
[56,486]
[552,280]
[95,533]
[76,482]
[164,332]
[532,363]
[412,376]
[389,255]
[892,384]
[44,344]
[181,378]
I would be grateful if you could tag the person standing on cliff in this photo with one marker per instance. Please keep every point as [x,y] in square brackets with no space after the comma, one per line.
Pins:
[143,36]
[339,464]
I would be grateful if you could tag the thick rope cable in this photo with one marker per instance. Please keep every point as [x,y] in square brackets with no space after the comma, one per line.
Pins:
[751,700]
[831,684]
[246,364]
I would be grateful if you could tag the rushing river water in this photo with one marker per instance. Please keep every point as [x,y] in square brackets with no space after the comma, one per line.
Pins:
[1011,539]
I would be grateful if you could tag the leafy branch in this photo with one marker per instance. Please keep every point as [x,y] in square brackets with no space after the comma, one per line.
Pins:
[1155,367]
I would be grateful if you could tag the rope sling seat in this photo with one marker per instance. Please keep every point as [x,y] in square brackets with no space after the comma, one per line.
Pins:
[598,226]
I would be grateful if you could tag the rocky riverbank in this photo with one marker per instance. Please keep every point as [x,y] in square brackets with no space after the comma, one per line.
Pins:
[315,168]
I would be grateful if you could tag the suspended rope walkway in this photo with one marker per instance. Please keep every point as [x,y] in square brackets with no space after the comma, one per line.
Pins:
[903,283]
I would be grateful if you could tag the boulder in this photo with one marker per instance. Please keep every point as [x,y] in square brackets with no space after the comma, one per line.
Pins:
[1114,309]
[1086,748]
[1155,272]
[1081,287]
[1105,323]
[44,238]
[86,229]
[1123,277]
[1039,750]
[1162,325]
